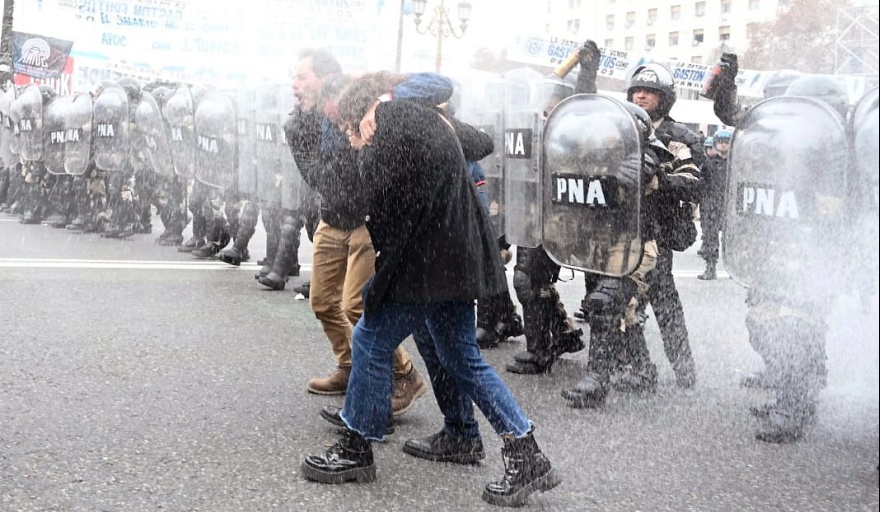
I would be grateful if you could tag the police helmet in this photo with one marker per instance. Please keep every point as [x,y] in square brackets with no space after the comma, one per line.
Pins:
[642,119]
[722,136]
[47,92]
[657,77]
[779,81]
[131,87]
[822,88]
[709,142]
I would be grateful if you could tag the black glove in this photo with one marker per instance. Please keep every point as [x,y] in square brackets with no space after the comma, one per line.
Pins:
[729,68]
[588,59]
[588,55]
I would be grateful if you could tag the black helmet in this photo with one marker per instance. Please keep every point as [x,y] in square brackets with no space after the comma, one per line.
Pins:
[822,88]
[47,91]
[131,87]
[657,77]
[779,81]
[643,120]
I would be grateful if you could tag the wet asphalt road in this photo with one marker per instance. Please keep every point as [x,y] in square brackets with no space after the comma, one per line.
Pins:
[177,384]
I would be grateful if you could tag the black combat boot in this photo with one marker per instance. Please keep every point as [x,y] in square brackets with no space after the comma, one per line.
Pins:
[639,375]
[590,392]
[442,447]
[247,224]
[539,355]
[487,336]
[286,258]
[526,470]
[350,459]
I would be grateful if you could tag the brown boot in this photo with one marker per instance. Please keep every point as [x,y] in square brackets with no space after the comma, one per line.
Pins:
[335,384]
[406,391]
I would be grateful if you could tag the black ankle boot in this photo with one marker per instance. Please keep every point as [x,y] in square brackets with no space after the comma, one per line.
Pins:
[526,470]
[588,393]
[442,447]
[709,274]
[530,363]
[233,256]
[273,281]
[350,459]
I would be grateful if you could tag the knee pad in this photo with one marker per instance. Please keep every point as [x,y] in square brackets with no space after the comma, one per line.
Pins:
[609,299]
[522,285]
[290,227]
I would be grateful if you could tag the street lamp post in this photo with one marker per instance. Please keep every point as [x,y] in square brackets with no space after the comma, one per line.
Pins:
[441,25]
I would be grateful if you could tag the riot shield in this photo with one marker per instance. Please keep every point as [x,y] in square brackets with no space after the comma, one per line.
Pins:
[112,130]
[179,113]
[268,137]
[215,126]
[592,160]
[865,133]
[294,190]
[786,194]
[521,159]
[78,135]
[30,124]
[9,157]
[487,116]
[14,118]
[55,133]
[246,108]
[152,136]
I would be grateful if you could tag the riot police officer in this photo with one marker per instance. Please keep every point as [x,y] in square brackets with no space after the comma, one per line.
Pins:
[652,87]
[792,149]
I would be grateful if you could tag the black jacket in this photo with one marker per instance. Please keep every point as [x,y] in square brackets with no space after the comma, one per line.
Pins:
[330,171]
[714,186]
[433,240]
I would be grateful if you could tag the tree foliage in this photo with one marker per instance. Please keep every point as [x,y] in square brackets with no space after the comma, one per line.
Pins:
[801,38]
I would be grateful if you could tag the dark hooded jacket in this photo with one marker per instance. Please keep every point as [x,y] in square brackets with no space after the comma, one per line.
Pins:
[433,239]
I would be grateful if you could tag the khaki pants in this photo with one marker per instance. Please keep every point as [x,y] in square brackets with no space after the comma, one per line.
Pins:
[342,263]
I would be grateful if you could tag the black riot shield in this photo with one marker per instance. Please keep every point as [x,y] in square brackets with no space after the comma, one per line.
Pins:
[179,112]
[78,135]
[591,166]
[865,133]
[521,159]
[246,109]
[112,130]
[9,157]
[152,136]
[30,123]
[295,192]
[216,157]
[787,184]
[55,133]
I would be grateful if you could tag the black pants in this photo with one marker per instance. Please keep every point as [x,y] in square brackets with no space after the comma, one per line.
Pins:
[664,300]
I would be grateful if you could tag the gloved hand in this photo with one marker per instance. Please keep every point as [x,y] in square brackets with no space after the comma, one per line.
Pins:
[729,69]
[588,59]
[588,55]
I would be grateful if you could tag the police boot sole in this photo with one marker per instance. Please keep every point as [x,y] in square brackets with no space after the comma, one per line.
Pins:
[360,475]
[518,499]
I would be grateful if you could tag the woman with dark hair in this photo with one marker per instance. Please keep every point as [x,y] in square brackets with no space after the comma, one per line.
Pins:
[435,254]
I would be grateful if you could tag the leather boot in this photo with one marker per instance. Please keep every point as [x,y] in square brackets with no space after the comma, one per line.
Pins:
[538,357]
[350,459]
[285,260]
[247,224]
[442,447]
[590,392]
[77,225]
[487,336]
[526,470]
[640,374]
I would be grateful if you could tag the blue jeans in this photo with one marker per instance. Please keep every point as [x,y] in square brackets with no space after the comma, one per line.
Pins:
[445,334]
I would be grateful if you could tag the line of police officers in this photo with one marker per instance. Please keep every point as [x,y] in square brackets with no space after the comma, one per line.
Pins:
[99,162]
[578,180]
